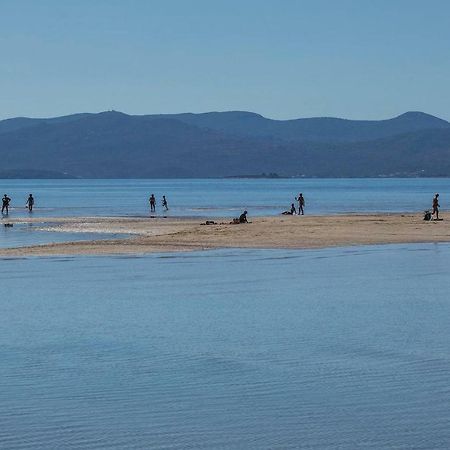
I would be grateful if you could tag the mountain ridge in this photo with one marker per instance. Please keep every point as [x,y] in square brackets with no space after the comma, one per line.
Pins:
[249,124]
[116,145]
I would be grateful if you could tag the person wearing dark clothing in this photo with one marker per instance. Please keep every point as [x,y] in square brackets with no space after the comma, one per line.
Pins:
[5,204]
[243,217]
[301,204]
[435,212]
[164,203]
[152,201]
[291,212]
[30,202]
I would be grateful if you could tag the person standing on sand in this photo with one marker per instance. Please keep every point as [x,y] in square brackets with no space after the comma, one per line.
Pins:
[152,201]
[5,204]
[301,203]
[435,212]
[164,203]
[30,202]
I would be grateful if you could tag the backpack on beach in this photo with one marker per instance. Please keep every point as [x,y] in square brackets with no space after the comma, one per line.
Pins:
[427,215]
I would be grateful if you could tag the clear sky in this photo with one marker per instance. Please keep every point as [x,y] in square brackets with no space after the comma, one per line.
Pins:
[360,59]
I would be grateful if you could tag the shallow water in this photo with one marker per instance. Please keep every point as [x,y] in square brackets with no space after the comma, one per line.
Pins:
[335,348]
[223,197]
[27,234]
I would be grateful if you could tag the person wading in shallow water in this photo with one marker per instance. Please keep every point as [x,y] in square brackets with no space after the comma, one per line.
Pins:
[152,201]
[30,202]
[5,204]
[164,203]
[435,212]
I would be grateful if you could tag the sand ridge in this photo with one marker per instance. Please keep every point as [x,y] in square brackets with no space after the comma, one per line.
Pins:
[150,235]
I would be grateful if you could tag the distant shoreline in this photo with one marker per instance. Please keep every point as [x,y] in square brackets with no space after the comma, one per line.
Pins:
[233,177]
[154,235]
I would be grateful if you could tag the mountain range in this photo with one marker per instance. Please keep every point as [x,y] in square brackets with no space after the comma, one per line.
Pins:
[220,144]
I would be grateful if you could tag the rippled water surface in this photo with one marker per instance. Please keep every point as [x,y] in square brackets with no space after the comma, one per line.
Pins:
[223,197]
[341,348]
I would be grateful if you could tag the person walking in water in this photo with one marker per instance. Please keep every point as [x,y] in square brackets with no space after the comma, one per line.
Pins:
[164,203]
[152,201]
[435,212]
[30,202]
[5,204]
[301,204]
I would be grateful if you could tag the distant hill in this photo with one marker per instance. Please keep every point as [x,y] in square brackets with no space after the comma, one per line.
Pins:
[247,124]
[320,129]
[18,123]
[117,145]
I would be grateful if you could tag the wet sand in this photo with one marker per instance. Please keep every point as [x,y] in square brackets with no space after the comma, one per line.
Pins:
[150,235]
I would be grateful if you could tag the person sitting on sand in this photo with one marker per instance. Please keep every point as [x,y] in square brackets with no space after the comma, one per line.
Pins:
[152,201]
[164,203]
[291,212]
[30,202]
[435,212]
[301,204]
[5,204]
[243,217]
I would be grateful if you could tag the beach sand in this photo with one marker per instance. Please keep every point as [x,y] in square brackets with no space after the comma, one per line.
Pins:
[150,235]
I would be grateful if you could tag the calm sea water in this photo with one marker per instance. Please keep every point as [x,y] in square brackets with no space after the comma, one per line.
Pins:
[27,234]
[223,197]
[337,348]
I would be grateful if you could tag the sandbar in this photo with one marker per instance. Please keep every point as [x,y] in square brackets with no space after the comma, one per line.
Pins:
[152,235]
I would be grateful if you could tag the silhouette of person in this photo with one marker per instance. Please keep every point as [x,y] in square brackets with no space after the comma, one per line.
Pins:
[301,203]
[5,204]
[291,212]
[30,202]
[243,217]
[152,201]
[436,205]
[164,203]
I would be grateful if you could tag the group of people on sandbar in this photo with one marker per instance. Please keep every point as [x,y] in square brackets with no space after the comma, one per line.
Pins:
[152,201]
[429,215]
[6,201]
[301,207]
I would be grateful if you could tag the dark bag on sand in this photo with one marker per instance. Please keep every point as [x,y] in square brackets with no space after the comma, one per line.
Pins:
[427,215]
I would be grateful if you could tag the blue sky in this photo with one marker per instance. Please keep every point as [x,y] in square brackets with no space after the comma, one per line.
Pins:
[357,59]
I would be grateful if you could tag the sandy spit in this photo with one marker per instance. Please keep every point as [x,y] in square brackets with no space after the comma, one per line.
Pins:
[150,235]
